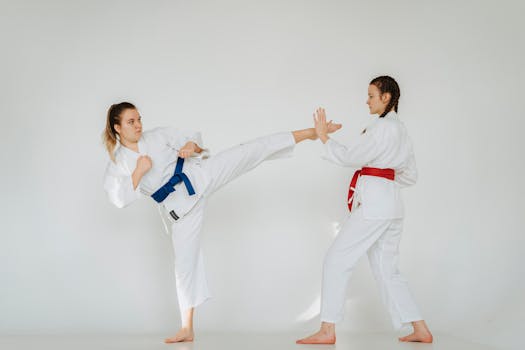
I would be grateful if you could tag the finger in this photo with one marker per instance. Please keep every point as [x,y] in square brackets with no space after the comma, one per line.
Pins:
[321,114]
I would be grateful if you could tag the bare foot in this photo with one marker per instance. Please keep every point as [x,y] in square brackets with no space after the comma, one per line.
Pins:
[320,337]
[421,333]
[183,335]
[421,337]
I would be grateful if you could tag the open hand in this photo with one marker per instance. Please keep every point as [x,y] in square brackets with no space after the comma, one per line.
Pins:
[320,124]
[323,128]
[333,127]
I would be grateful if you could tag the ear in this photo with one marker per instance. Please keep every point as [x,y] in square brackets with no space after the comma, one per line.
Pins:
[117,128]
[386,97]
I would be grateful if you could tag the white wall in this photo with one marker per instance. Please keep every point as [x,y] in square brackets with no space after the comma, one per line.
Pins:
[70,262]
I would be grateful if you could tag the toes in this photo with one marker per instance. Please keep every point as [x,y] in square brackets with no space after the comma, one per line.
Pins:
[172,340]
[303,341]
[409,337]
[416,338]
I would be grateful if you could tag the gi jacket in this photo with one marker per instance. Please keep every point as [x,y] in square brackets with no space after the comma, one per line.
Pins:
[161,145]
[384,144]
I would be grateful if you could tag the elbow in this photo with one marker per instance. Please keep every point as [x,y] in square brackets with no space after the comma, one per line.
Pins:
[122,202]
[414,178]
[117,202]
[119,205]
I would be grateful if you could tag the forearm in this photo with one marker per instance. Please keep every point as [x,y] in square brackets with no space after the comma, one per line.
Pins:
[136,177]
[304,134]
[354,154]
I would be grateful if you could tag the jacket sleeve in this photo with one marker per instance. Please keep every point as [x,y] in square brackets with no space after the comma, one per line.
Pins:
[357,153]
[119,186]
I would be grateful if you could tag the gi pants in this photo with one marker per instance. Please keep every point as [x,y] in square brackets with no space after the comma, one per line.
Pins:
[192,287]
[380,240]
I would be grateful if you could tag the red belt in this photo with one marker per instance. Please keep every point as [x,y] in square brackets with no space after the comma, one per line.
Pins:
[384,173]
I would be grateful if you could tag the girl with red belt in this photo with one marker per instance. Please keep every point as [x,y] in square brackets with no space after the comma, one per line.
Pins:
[384,155]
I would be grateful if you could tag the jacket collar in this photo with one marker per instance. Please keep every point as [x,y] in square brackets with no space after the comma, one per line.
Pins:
[391,115]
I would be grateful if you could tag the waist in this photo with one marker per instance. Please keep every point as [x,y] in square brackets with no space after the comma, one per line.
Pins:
[386,173]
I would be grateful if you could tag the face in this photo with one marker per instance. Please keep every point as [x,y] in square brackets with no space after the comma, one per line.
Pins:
[130,127]
[376,101]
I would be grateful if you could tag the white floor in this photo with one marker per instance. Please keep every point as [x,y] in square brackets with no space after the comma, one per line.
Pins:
[229,341]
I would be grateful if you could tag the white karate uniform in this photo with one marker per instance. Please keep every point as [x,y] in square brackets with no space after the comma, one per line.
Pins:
[375,224]
[206,173]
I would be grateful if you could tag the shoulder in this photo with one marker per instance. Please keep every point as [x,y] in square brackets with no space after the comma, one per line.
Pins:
[390,123]
[160,134]
[118,164]
[161,130]
[386,129]
[114,168]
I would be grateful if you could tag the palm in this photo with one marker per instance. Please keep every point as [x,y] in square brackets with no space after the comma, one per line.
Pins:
[322,127]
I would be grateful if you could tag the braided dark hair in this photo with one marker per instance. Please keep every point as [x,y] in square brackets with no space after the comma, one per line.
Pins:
[387,84]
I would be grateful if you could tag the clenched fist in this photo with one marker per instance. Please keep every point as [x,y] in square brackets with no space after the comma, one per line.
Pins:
[143,164]
[187,150]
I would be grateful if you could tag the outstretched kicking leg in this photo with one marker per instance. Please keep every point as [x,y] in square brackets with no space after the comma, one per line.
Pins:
[233,162]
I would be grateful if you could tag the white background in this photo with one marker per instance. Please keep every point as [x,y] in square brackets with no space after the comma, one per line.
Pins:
[235,70]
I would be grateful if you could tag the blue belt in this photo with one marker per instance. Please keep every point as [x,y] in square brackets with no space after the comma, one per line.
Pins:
[177,178]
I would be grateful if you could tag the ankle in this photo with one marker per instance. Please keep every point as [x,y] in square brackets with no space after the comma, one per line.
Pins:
[328,328]
[420,327]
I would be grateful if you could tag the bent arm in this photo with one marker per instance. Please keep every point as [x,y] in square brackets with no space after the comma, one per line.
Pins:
[358,153]
[122,189]
[186,139]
